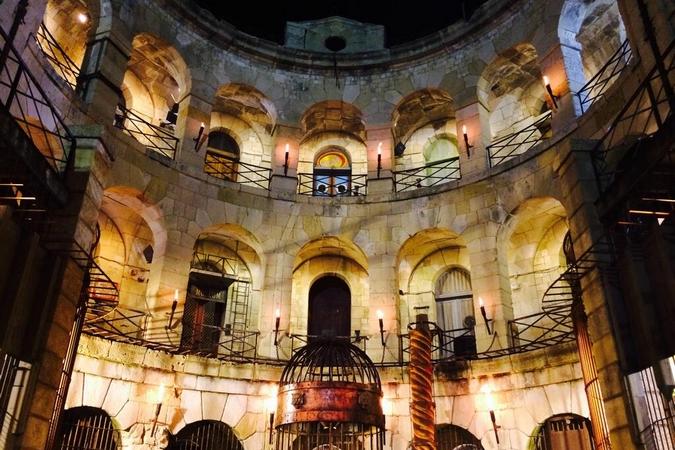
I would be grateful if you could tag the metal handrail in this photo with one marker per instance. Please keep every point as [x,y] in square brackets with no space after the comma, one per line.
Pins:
[353,186]
[603,79]
[233,169]
[520,141]
[643,115]
[430,174]
[23,98]
[59,59]
[151,136]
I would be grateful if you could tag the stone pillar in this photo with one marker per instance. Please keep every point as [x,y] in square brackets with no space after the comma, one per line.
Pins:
[475,117]
[76,224]
[577,179]
[554,68]
[380,148]
[194,112]
[422,406]
[103,68]
[489,282]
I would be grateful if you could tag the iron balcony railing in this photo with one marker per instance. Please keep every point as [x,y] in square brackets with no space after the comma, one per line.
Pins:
[643,115]
[153,137]
[601,81]
[231,169]
[300,340]
[232,267]
[332,184]
[58,58]
[514,144]
[24,99]
[13,380]
[431,174]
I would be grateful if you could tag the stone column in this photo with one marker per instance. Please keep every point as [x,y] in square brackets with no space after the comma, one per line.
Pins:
[103,68]
[489,282]
[562,102]
[380,161]
[75,224]
[577,179]
[475,117]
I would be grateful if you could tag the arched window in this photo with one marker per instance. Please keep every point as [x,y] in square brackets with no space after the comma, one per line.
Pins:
[329,308]
[564,432]
[222,156]
[87,428]
[206,435]
[216,306]
[454,311]
[452,437]
[332,174]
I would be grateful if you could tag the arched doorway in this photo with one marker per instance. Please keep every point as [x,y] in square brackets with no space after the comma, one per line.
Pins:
[329,308]
[206,435]
[455,312]
[453,437]
[564,432]
[332,173]
[87,428]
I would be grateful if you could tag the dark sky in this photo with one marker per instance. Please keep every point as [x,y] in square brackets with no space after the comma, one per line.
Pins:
[403,21]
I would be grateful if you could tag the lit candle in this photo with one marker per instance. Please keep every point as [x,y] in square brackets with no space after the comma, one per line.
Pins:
[380,320]
[277,321]
[175,295]
[82,17]
[464,132]
[380,314]
[379,148]
[546,81]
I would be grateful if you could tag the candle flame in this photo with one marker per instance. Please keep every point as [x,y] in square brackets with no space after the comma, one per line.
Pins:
[546,80]
[464,130]
[480,302]
[277,313]
[82,17]
[379,148]
[380,314]
[286,148]
[175,295]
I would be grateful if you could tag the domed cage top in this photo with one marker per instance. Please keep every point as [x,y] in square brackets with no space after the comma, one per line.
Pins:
[329,398]
[330,360]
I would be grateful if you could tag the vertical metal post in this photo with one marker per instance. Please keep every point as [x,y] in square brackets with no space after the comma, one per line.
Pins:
[422,406]
[590,374]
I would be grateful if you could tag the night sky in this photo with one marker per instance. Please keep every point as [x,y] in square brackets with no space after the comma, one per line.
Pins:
[403,21]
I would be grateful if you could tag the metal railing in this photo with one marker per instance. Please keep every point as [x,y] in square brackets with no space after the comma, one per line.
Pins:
[514,144]
[231,169]
[430,174]
[151,136]
[542,330]
[233,267]
[13,379]
[300,340]
[24,99]
[603,79]
[337,185]
[57,57]
[644,114]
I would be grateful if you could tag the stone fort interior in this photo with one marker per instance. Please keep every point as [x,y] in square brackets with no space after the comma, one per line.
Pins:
[210,240]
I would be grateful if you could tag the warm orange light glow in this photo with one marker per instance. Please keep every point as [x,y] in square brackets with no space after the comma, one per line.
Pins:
[287,148]
[480,302]
[277,313]
[379,148]
[660,220]
[380,314]
[489,399]
[387,406]
[175,295]
[82,18]
[203,126]
[159,394]
[547,82]
[464,132]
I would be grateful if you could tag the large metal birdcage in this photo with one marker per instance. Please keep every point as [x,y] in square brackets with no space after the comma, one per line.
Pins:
[329,399]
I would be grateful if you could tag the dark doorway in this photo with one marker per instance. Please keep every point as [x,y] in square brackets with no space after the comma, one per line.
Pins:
[329,308]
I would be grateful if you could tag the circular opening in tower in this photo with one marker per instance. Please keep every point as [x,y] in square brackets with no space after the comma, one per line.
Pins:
[335,43]
[329,398]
